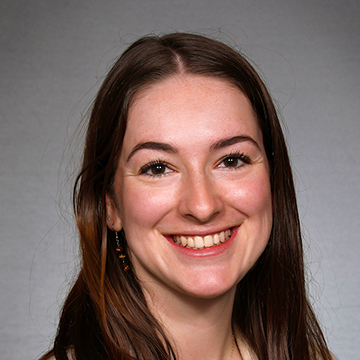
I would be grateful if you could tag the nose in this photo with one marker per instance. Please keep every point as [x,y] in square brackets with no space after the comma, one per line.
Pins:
[200,199]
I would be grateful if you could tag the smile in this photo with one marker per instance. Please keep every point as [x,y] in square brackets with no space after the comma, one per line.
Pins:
[201,242]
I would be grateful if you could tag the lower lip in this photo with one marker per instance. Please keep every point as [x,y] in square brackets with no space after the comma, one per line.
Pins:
[207,251]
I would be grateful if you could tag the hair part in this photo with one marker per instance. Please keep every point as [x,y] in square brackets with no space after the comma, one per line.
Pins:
[105,315]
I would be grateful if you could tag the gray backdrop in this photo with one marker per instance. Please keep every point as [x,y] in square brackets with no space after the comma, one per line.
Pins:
[53,55]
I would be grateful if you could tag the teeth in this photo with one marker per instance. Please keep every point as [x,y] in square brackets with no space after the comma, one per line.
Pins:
[190,242]
[184,241]
[199,242]
[208,241]
[222,237]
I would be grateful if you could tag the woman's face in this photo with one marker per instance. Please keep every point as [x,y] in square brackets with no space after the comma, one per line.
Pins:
[192,188]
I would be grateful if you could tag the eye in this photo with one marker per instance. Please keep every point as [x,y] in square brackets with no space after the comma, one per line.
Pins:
[231,162]
[155,168]
[234,161]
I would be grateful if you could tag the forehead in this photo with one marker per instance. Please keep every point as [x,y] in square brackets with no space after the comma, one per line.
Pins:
[190,106]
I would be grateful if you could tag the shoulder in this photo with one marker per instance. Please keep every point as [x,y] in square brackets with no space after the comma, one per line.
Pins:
[248,354]
[333,357]
[245,350]
[70,355]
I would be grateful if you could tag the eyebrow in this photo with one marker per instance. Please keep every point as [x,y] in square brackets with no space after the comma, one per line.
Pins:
[154,145]
[233,140]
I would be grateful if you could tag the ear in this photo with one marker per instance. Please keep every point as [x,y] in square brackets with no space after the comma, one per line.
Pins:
[113,219]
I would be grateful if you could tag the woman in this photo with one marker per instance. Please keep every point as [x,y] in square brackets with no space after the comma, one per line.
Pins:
[187,216]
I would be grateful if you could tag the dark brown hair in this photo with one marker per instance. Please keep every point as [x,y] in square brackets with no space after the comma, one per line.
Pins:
[105,316]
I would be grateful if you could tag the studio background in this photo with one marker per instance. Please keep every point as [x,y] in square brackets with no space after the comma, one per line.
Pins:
[53,56]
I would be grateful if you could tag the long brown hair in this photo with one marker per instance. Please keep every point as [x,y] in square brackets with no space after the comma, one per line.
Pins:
[105,316]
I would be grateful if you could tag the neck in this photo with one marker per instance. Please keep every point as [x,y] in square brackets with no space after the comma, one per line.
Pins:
[198,328]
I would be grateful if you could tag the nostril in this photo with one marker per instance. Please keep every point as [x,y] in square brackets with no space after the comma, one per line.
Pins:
[200,201]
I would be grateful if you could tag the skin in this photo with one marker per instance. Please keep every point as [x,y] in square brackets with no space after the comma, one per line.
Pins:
[211,174]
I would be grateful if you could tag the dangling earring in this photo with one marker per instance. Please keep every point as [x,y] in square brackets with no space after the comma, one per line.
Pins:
[122,255]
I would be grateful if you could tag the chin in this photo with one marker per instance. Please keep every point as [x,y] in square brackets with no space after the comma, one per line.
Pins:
[210,289]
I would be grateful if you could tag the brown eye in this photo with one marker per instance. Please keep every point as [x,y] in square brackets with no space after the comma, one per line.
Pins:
[234,161]
[158,169]
[155,168]
[231,162]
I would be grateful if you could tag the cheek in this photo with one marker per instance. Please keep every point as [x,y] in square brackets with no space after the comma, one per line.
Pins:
[259,198]
[142,206]
[254,200]
[252,196]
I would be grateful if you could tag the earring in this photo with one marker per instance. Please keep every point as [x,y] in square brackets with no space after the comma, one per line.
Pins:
[122,255]
[108,219]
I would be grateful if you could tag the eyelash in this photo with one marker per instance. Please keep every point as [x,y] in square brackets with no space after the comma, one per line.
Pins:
[152,164]
[244,159]
[237,155]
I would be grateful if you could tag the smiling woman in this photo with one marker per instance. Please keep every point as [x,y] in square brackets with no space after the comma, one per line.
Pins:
[186,210]
[208,179]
